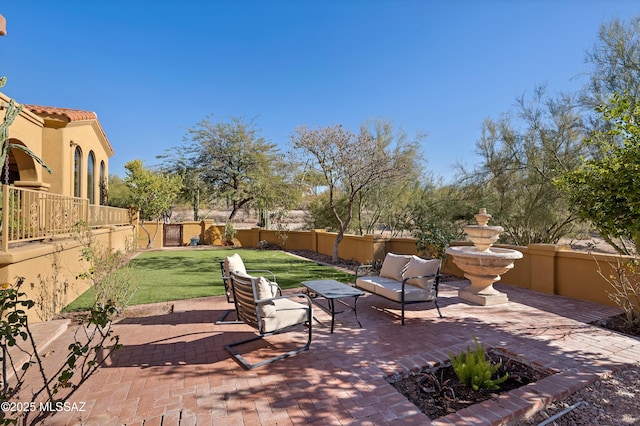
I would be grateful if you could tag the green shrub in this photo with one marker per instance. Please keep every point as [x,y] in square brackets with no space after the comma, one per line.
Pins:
[475,370]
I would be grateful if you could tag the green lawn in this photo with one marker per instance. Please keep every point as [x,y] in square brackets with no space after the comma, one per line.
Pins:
[184,274]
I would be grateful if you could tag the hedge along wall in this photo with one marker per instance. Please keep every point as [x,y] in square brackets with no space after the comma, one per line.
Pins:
[547,268]
[49,264]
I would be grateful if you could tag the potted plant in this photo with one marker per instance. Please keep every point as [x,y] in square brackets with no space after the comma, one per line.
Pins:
[228,233]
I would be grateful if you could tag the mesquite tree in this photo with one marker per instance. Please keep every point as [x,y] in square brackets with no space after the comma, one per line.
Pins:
[238,165]
[351,164]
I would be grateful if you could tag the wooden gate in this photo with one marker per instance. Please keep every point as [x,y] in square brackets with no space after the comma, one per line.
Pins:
[172,235]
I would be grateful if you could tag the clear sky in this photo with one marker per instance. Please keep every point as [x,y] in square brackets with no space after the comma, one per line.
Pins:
[152,69]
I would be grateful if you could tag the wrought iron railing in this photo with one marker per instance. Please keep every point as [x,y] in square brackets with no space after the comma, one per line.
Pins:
[29,215]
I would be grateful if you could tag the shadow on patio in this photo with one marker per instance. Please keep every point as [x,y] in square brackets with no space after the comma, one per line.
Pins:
[174,366]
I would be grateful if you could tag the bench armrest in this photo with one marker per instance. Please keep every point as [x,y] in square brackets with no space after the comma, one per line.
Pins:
[436,281]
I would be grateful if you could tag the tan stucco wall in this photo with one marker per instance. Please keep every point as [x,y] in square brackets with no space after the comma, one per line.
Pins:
[34,262]
[546,268]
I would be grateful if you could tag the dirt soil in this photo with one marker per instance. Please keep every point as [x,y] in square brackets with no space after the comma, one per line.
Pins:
[437,391]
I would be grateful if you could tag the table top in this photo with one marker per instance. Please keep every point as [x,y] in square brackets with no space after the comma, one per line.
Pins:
[332,289]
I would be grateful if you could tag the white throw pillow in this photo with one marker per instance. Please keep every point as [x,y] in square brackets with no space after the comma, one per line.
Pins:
[419,267]
[235,264]
[264,291]
[393,266]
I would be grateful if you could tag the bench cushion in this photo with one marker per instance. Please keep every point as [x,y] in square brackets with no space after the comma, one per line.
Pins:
[392,289]
[394,266]
[419,267]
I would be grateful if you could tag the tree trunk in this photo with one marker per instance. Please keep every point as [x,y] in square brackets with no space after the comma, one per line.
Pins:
[336,243]
[146,231]
[150,239]
[196,205]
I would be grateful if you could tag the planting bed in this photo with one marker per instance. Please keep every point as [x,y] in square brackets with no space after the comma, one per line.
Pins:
[437,391]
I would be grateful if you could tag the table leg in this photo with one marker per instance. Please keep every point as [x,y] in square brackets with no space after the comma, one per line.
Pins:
[333,313]
[355,312]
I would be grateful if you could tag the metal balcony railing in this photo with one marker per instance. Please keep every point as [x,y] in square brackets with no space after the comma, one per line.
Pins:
[29,215]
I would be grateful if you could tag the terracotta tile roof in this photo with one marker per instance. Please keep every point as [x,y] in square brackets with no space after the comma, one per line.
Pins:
[68,114]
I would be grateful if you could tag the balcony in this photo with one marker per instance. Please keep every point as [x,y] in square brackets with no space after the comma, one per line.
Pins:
[29,215]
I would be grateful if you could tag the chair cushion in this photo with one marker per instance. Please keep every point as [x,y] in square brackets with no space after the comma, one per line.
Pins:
[264,291]
[287,313]
[234,264]
[394,265]
[419,267]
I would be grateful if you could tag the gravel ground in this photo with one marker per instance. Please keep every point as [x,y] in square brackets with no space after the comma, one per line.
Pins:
[614,400]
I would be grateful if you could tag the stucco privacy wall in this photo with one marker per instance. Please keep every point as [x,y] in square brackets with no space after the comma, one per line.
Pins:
[547,268]
[35,262]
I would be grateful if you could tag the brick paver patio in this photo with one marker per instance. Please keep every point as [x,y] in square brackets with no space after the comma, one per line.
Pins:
[174,370]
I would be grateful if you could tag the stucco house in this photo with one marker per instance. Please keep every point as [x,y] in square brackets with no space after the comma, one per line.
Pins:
[70,141]
[42,211]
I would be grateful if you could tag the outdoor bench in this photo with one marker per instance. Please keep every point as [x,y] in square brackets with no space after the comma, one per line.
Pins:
[404,279]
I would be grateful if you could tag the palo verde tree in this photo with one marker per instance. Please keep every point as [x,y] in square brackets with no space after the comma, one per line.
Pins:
[351,164]
[615,63]
[605,189]
[522,153]
[152,193]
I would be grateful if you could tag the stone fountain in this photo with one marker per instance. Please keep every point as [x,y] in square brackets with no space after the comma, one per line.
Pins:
[481,263]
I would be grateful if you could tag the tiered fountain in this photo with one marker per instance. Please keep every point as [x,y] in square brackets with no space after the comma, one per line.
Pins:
[481,263]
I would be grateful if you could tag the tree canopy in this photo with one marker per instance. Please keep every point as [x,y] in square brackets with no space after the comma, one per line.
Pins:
[239,166]
[521,154]
[352,164]
[152,193]
[605,189]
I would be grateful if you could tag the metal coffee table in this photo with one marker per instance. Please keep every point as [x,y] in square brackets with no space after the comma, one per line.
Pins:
[333,291]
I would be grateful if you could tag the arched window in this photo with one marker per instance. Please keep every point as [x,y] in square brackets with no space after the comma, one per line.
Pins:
[91,178]
[103,184]
[77,172]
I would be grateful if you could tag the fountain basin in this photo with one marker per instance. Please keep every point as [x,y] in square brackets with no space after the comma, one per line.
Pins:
[483,268]
[484,236]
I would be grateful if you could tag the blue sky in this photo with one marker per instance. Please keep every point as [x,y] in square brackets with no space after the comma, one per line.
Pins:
[152,69]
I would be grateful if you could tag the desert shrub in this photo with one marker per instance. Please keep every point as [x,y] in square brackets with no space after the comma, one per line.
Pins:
[433,239]
[624,280]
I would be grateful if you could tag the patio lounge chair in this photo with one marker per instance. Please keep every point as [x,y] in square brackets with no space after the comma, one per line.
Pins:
[235,264]
[258,306]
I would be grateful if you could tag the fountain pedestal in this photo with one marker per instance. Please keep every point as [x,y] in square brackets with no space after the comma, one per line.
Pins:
[482,264]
